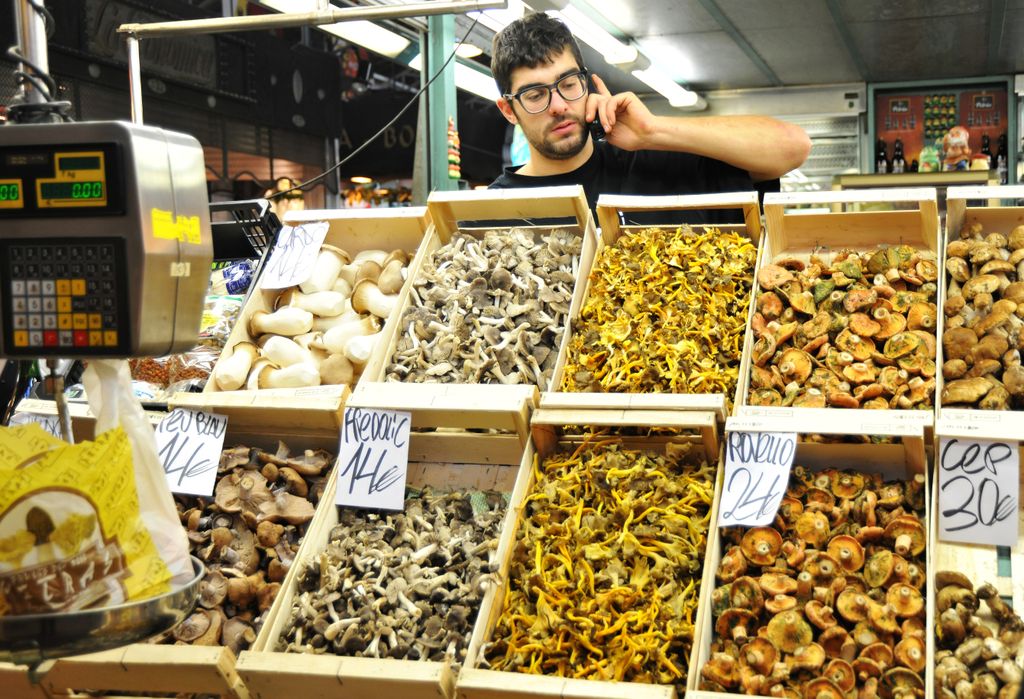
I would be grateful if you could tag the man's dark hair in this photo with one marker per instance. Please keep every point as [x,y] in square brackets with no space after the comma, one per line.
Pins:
[529,42]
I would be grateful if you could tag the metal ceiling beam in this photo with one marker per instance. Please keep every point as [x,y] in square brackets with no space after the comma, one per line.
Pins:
[996,22]
[847,37]
[729,28]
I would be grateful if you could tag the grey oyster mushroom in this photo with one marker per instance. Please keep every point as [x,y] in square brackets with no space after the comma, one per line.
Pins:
[489,310]
[403,585]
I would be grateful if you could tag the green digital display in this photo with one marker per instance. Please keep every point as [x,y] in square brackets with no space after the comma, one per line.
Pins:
[10,192]
[80,162]
[72,190]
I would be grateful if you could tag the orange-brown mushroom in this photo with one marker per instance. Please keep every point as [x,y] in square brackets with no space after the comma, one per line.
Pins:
[848,551]
[777,584]
[773,276]
[837,643]
[737,624]
[860,348]
[905,599]
[808,657]
[732,565]
[879,568]
[795,365]
[813,528]
[910,652]
[759,654]
[721,669]
[902,682]
[883,618]
[823,688]
[780,603]
[841,673]
[852,605]
[761,545]
[864,325]
[846,484]
[819,615]
[745,593]
[788,631]
[908,535]
[880,653]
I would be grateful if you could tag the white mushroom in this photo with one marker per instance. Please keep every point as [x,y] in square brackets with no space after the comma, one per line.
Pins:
[230,372]
[337,338]
[294,376]
[367,297]
[320,303]
[283,351]
[285,321]
[329,262]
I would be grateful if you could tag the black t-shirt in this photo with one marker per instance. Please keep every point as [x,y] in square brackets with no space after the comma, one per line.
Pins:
[611,170]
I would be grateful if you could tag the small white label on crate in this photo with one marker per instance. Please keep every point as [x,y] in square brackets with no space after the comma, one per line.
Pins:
[294,255]
[373,458]
[756,475]
[189,443]
[979,491]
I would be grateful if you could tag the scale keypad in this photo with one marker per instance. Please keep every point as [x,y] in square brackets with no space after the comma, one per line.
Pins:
[63,296]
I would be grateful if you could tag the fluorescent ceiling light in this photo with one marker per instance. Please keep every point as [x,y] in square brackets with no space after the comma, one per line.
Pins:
[467,50]
[496,20]
[467,78]
[361,32]
[614,51]
[676,94]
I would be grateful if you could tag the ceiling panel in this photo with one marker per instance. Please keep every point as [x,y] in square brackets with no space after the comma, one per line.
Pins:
[1011,58]
[819,57]
[653,17]
[709,60]
[894,51]
[791,14]
[886,10]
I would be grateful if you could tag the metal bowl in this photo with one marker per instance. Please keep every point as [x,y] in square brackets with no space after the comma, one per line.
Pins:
[30,639]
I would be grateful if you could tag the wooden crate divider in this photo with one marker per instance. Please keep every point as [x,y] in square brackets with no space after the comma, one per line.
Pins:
[16,684]
[608,209]
[476,683]
[892,461]
[352,230]
[150,668]
[452,212]
[494,462]
[800,233]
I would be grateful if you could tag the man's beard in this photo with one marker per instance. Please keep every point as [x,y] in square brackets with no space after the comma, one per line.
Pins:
[563,149]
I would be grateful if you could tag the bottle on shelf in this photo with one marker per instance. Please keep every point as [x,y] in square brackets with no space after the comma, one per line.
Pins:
[899,163]
[987,151]
[881,157]
[1002,159]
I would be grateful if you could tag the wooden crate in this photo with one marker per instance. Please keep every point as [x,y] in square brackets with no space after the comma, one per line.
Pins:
[608,209]
[455,212]
[83,422]
[16,684]
[961,210]
[352,230]
[444,457]
[893,461]
[143,667]
[557,410]
[799,233]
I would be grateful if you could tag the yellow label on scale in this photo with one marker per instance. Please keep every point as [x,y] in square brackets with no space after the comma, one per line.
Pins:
[80,180]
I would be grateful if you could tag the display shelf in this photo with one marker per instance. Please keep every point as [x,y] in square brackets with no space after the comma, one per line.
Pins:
[608,209]
[474,213]
[798,235]
[489,458]
[547,434]
[901,462]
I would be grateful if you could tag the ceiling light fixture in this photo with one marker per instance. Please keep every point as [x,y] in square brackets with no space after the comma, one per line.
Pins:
[467,78]
[587,30]
[676,94]
[364,33]
[360,179]
[467,50]
[496,20]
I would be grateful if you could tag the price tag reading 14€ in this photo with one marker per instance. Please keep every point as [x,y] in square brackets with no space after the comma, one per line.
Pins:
[979,491]
[756,475]
[189,443]
[373,459]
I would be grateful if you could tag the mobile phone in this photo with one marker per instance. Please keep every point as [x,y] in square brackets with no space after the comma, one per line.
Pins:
[596,130]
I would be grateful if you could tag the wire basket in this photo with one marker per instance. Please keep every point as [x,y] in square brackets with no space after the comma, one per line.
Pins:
[242,229]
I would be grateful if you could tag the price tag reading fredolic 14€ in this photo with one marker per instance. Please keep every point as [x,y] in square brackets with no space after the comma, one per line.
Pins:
[756,475]
[294,255]
[189,443]
[979,491]
[373,458]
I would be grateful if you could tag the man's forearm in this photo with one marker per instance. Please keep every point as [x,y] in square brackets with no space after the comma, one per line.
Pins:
[765,147]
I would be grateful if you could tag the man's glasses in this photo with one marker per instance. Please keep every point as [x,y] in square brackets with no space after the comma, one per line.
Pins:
[537,98]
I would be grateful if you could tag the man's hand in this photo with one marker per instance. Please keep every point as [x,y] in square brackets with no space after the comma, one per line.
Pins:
[626,121]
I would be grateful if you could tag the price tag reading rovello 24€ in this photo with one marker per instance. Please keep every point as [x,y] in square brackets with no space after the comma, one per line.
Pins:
[756,475]
[373,459]
[979,491]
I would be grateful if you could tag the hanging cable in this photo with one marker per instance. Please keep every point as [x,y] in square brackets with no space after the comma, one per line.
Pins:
[388,125]
[22,110]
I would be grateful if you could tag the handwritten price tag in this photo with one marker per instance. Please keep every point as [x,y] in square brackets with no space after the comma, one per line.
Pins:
[756,475]
[373,459]
[189,443]
[50,423]
[294,255]
[979,491]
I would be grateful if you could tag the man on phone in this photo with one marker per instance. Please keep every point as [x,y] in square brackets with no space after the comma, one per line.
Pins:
[548,92]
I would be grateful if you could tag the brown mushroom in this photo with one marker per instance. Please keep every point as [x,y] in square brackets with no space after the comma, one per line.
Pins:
[958,342]
[735,623]
[213,589]
[787,631]
[732,565]
[237,635]
[819,615]
[866,668]
[852,605]
[721,669]
[902,682]
[841,673]
[808,657]
[242,491]
[759,654]
[823,688]
[201,628]
[795,365]
[745,593]
[813,528]
[848,551]
[837,643]
[761,545]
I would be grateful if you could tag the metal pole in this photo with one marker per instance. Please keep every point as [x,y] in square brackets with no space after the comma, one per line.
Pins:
[441,103]
[275,21]
[135,78]
[32,40]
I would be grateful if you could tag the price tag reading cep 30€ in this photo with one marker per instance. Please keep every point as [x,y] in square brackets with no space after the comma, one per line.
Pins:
[979,491]
[373,459]
[757,468]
